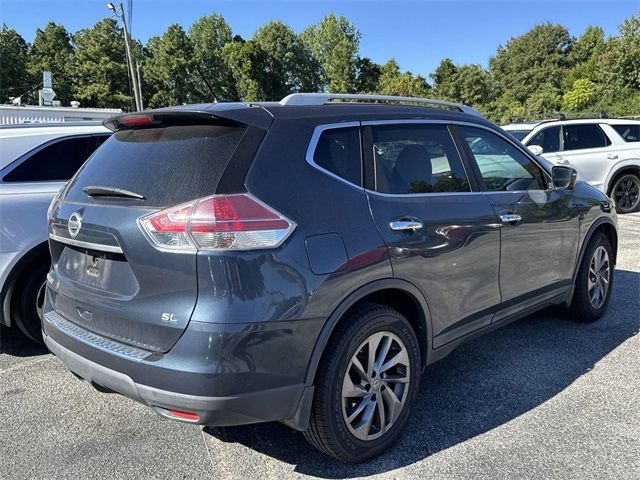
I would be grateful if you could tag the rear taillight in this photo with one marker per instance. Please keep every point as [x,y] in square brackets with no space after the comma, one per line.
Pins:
[220,222]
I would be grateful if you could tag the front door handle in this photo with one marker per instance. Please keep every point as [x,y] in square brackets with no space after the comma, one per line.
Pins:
[510,218]
[405,225]
[612,156]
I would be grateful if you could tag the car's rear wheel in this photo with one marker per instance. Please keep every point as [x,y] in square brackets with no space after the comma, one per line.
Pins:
[366,385]
[28,298]
[594,280]
[626,193]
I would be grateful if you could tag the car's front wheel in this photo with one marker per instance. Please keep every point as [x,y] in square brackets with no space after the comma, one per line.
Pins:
[594,280]
[366,385]
[626,193]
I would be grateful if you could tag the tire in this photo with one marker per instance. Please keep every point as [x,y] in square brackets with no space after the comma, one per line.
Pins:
[583,307]
[330,431]
[27,298]
[626,193]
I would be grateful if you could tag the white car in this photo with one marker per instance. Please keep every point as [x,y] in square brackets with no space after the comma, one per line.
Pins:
[605,152]
[36,160]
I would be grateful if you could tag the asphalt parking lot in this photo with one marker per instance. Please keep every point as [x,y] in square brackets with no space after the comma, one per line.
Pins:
[542,398]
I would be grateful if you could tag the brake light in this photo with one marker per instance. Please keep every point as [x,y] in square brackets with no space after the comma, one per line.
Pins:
[139,120]
[220,222]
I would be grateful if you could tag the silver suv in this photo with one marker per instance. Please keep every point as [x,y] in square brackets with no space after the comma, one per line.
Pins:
[35,162]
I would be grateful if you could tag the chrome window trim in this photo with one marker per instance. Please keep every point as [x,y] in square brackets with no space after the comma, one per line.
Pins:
[91,246]
[319,129]
[313,143]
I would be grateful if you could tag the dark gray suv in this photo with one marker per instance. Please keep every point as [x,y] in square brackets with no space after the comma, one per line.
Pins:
[304,260]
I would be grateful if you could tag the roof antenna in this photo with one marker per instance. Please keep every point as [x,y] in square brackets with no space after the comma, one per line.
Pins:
[560,116]
[602,114]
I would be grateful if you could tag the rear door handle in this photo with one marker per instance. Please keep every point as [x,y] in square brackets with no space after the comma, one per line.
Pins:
[405,225]
[612,156]
[510,218]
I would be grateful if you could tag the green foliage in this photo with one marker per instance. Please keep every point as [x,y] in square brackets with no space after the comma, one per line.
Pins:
[14,79]
[100,67]
[532,76]
[368,76]
[582,95]
[213,79]
[288,62]
[169,68]
[52,50]
[334,43]
[247,62]
[393,82]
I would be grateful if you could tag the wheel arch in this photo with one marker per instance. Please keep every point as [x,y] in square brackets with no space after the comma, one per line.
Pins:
[39,251]
[633,168]
[395,293]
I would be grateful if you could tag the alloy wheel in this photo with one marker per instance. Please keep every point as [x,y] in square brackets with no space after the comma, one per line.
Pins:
[626,193]
[599,277]
[375,385]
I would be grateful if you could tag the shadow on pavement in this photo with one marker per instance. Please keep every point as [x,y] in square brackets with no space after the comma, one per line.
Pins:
[480,386]
[14,342]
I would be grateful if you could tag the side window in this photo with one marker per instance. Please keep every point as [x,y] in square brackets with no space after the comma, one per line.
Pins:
[581,136]
[630,133]
[417,159]
[502,166]
[57,161]
[548,139]
[338,151]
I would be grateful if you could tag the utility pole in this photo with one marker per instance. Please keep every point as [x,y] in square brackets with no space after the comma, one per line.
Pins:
[137,93]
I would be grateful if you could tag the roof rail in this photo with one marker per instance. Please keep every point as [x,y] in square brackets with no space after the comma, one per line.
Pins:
[325,98]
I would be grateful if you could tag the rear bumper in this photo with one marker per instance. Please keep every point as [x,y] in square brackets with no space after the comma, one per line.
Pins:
[252,407]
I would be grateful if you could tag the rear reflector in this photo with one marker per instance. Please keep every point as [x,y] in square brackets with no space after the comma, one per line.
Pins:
[179,414]
[220,222]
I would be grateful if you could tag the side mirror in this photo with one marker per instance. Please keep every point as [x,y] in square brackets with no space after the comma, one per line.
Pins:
[564,178]
[536,149]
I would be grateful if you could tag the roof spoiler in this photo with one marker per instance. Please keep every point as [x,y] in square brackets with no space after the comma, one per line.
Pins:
[165,118]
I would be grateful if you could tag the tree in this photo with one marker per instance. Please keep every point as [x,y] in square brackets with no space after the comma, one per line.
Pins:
[367,75]
[624,54]
[393,82]
[444,78]
[169,68]
[582,95]
[52,50]
[532,65]
[288,62]
[100,66]
[248,64]
[14,80]
[334,43]
[213,79]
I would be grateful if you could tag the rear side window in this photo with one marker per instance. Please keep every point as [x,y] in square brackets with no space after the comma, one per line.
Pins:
[166,165]
[417,159]
[580,137]
[59,160]
[630,133]
[548,139]
[338,152]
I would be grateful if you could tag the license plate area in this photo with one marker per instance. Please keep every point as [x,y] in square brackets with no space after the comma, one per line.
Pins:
[97,272]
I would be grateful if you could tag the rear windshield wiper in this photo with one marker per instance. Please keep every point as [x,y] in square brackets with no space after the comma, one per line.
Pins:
[99,191]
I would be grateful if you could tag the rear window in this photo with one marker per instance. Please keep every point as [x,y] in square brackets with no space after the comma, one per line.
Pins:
[166,165]
[630,133]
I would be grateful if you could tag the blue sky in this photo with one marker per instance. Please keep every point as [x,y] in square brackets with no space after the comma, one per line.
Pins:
[417,33]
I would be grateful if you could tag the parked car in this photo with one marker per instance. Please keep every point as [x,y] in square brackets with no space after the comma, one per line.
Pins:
[35,162]
[605,152]
[304,260]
